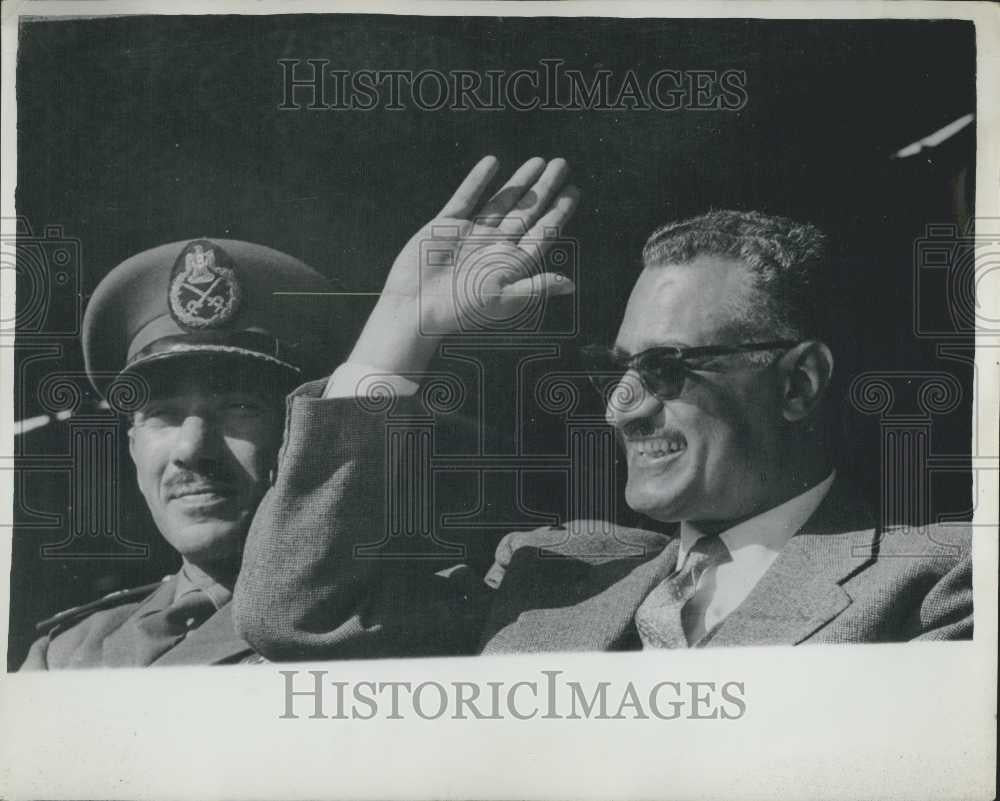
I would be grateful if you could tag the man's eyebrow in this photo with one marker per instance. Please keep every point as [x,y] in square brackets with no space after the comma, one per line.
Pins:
[648,346]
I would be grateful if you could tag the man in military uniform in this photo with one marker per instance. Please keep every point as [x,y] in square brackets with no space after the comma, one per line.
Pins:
[216,333]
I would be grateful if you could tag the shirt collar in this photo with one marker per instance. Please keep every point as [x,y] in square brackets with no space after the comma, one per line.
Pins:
[768,531]
[194,579]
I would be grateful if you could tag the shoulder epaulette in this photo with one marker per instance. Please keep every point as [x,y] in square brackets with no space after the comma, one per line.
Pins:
[110,600]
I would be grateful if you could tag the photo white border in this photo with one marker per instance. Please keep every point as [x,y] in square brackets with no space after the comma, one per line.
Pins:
[888,721]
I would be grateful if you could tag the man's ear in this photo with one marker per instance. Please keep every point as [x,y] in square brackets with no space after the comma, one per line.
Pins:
[807,370]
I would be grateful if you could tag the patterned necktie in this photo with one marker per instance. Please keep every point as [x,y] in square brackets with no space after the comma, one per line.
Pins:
[659,617]
[160,631]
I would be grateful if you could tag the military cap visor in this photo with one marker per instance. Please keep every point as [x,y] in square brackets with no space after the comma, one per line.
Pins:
[209,296]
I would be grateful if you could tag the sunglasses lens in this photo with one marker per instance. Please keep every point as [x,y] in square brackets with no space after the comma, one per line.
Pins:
[664,375]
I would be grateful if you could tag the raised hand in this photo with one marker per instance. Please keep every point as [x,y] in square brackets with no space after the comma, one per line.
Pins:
[476,262]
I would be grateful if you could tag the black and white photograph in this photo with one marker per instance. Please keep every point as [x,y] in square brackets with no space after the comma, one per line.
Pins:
[500,363]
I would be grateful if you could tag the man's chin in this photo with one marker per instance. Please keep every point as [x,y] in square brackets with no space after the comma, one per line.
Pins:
[656,505]
[209,540]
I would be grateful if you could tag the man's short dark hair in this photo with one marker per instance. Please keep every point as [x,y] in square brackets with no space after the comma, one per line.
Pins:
[789,260]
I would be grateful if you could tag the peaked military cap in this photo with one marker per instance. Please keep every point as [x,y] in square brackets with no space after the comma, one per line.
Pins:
[209,296]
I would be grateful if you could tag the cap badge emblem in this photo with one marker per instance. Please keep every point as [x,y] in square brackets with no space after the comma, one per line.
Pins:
[204,289]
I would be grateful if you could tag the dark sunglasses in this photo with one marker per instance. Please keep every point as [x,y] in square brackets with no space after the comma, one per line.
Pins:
[662,370]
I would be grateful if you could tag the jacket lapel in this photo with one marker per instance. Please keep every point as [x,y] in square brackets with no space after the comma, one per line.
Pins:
[577,605]
[604,621]
[212,642]
[122,648]
[794,598]
[801,591]
[555,605]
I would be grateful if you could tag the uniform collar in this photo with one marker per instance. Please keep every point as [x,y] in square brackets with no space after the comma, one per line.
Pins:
[193,579]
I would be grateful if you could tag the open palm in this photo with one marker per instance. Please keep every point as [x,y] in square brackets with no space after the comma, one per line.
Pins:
[477,262]
[476,265]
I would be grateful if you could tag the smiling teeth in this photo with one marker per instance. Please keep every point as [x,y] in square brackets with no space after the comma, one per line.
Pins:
[658,447]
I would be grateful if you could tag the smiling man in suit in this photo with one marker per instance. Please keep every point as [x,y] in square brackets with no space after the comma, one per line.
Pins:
[719,389]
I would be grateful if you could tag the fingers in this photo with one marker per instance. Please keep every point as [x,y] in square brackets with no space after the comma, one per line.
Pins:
[540,285]
[535,202]
[545,537]
[508,196]
[463,203]
[548,228]
[494,576]
[518,204]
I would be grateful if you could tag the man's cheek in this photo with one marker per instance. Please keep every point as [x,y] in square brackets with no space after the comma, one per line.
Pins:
[143,480]
[716,459]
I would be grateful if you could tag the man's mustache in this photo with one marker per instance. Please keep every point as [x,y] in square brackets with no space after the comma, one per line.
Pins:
[187,482]
[647,428]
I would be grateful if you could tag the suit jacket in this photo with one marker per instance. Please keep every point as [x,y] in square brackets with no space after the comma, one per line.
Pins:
[305,592]
[103,639]
[320,579]
[837,580]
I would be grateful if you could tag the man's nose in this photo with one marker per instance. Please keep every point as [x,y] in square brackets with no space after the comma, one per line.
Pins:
[197,439]
[630,400]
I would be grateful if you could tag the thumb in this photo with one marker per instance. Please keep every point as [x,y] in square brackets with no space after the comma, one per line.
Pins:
[541,285]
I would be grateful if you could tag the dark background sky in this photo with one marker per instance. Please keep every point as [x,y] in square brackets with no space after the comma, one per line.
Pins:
[138,131]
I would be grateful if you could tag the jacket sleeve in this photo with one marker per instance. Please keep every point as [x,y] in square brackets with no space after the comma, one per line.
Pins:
[946,611]
[319,578]
[37,658]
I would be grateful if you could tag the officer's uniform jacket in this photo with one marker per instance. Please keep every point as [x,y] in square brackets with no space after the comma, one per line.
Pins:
[231,304]
[110,636]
